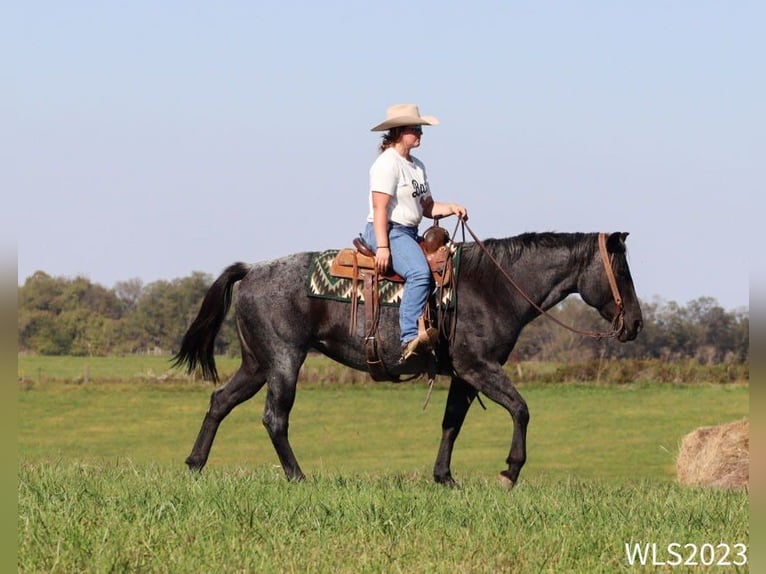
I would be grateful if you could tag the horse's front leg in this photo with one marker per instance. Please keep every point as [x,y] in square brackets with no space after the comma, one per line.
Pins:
[459,400]
[494,383]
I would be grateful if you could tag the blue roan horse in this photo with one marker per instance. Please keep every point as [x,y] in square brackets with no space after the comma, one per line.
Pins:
[278,323]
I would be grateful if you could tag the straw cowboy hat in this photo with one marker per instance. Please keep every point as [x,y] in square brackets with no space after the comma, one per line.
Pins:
[404,115]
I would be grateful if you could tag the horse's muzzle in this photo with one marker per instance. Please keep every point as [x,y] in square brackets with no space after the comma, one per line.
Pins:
[630,330]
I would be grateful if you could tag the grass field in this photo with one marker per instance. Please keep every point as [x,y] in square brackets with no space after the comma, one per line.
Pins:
[129,368]
[120,517]
[589,432]
[102,485]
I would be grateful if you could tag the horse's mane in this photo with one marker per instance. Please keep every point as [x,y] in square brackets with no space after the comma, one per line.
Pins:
[475,264]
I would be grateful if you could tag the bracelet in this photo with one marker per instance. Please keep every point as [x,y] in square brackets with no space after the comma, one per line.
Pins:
[383,247]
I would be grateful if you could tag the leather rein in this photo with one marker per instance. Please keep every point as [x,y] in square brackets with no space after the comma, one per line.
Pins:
[619,319]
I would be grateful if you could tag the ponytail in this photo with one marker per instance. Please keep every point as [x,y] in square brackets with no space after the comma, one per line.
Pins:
[390,138]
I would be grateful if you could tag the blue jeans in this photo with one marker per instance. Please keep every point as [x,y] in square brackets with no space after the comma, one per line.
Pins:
[408,261]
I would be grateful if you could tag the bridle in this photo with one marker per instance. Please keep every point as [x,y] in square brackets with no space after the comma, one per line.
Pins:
[619,318]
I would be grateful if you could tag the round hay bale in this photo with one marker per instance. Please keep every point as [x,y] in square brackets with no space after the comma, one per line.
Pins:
[717,456]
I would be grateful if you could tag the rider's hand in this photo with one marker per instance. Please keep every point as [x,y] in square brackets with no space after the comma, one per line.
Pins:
[460,211]
[383,259]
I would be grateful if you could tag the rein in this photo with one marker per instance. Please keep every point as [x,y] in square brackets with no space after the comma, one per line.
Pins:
[619,318]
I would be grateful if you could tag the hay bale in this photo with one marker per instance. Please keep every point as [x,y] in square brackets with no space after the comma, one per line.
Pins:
[717,456]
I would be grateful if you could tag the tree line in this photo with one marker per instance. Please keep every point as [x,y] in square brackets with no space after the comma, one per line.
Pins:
[73,316]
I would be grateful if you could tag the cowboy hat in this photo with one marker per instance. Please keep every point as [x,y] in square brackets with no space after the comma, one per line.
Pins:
[404,115]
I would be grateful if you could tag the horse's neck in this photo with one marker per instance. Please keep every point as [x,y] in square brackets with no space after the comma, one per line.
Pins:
[544,271]
[545,276]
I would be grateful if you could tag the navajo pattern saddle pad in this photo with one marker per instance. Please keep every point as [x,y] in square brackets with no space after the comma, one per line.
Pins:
[324,286]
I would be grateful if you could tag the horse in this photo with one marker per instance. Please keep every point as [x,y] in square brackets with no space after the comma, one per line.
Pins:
[278,323]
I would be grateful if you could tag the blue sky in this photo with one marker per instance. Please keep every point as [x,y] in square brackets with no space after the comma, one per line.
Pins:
[153,139]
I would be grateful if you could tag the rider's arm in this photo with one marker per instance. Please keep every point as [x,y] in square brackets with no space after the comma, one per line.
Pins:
[380,203]
[433,209]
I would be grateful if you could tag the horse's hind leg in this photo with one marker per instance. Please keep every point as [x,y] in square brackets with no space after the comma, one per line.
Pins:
[241,387]
[459,400]
[276,416]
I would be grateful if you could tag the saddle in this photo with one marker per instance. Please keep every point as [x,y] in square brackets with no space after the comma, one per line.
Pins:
[358,264]
[360,261]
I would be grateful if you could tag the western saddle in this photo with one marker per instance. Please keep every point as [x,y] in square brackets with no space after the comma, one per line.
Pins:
[358,264]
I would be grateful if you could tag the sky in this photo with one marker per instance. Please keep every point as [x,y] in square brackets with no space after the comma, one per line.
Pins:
[153,139]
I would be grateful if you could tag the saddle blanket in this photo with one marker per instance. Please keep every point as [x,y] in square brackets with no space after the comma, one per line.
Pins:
[322,285]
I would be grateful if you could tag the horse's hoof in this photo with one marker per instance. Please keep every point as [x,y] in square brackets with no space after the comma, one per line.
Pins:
[447,482]
[194,467]
[505,481]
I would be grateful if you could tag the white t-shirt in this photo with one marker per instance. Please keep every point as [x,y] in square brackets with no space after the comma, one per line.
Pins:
[405,181]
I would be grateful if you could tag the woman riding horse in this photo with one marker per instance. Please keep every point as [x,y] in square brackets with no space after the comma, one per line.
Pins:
[399,198]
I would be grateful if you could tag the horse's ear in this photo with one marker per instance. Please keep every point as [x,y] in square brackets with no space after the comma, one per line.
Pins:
[615,243]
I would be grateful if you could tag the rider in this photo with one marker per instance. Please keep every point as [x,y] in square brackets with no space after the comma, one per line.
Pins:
[399,198]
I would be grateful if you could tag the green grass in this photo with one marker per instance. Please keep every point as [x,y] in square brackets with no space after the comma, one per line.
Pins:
[102,484]
[40,368]
[133,368]
[76,517]
[321,370]
[611,433]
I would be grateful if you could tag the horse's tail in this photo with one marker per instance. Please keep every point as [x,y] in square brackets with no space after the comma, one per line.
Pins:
[198,344]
